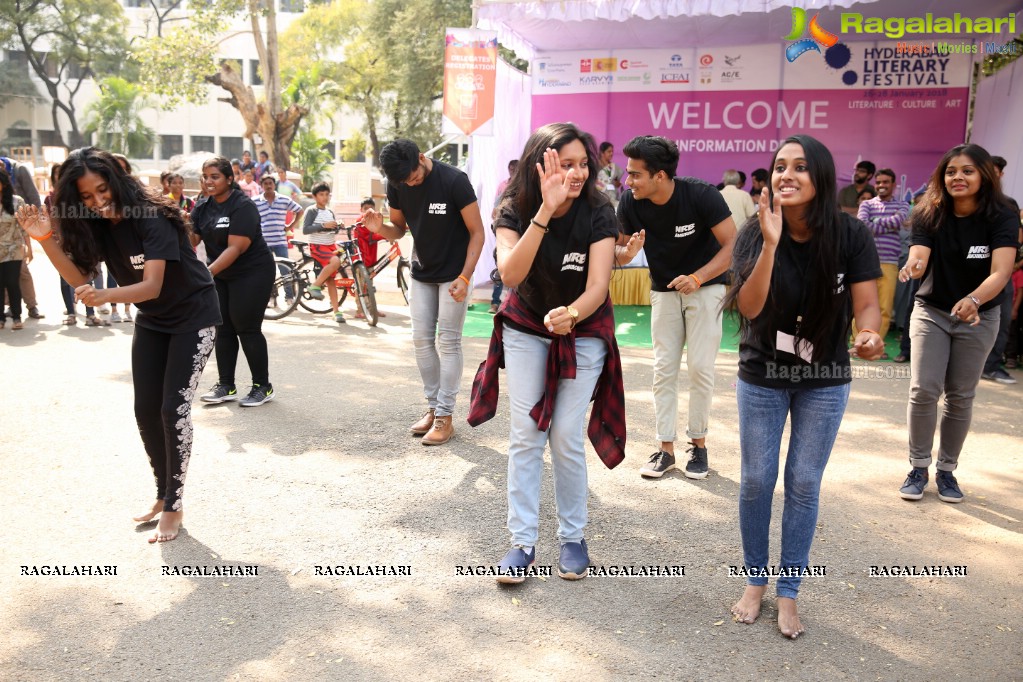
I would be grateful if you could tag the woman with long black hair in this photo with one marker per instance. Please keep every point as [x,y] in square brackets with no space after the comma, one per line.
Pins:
[103,214]
[964,242]
[556,237]
[799,276]
[228,224]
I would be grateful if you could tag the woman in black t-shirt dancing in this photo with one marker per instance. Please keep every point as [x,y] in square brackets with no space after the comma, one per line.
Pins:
[555,245]
[104,214]
[799,277]
[965,235]
[228,224]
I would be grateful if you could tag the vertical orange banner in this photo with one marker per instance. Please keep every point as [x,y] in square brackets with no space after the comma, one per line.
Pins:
[470,81]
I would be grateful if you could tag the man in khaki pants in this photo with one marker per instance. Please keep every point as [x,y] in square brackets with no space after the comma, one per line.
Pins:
[689,233]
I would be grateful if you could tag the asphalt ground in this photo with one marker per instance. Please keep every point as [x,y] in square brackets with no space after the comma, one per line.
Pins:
[326,476]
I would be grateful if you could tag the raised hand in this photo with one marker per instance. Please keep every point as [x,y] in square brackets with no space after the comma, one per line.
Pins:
[372,220]
[770,220]
[554,180]
[636,242]
[34,220]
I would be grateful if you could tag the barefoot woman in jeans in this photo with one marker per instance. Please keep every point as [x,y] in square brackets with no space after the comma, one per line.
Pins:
[798,281]
[964,243]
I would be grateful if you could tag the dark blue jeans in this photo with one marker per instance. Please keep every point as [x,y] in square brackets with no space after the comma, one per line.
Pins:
[282,251]
[816,414]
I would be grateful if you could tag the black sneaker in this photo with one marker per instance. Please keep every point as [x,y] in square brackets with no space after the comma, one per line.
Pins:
[660,463]
[999,375]
[258,395]
[913,488]
[948,487]
[220,393]
[696,467]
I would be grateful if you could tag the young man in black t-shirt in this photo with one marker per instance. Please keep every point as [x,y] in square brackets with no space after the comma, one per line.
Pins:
[689,234]
[437,202]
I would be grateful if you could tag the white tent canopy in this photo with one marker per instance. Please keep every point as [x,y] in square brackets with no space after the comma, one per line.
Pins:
[557,25]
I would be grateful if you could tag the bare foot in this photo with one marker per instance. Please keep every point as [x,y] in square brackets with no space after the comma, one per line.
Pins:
[151,514]
[167,529]
[747,609]
[788,618]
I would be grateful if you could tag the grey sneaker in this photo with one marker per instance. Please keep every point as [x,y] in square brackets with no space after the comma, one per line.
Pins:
[696,467]
[114,317]
[999,375]
[660,463]
[948,487]
[258,395]
[220,393]
[913,488]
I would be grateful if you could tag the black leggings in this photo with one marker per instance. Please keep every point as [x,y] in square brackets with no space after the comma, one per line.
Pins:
[242,304]
[10,272]
[165,370]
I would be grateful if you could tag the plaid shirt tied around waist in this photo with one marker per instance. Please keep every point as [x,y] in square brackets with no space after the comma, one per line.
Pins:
[606,428]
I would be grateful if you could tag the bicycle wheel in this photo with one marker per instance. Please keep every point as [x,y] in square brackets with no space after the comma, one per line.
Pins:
[404,273]
[367,295]
[279,304]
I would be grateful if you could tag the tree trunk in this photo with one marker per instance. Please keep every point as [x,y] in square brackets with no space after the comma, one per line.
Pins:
[277,132]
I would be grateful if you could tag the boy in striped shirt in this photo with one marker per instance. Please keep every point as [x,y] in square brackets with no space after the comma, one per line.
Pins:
[884,215]
[273,209]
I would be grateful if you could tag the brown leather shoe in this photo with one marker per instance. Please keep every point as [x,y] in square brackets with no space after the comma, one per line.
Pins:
[441,432]
[424,424]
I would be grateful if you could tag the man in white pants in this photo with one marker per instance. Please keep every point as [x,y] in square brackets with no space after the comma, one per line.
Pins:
[689,234]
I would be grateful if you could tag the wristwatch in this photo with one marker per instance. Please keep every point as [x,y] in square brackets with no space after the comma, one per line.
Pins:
[575,315]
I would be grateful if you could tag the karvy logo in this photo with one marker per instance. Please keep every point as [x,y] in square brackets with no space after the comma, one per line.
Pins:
[836,54]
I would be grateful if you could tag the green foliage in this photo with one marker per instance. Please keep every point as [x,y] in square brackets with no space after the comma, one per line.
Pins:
[66,42]
[116,118]
[309,158]
[512,59]
[993,63]
[355,147]
[386,57]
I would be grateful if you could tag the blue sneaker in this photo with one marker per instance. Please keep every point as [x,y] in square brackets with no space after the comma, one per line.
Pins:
[948,487]
[514,565]
[913,488]
[574,560]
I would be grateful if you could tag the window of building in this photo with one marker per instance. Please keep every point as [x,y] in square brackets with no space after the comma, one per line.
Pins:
[294,6]
[254,76]
[171,145]
[331,148]
[49,138]
[231,147]
[203,143]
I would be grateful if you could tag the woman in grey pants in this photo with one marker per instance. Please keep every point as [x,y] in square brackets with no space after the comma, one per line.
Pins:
[964,241]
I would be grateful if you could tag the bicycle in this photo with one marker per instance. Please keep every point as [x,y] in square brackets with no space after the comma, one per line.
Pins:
[300,275]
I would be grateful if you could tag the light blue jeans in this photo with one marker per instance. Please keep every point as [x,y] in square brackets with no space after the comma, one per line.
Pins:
[525,358]
[437,321]
[816,415]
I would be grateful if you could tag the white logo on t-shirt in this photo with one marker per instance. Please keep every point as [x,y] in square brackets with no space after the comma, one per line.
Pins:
[438,209]
[138,262]
[223,223]
[841,287]
[573,261]
[684,230]
[980,252]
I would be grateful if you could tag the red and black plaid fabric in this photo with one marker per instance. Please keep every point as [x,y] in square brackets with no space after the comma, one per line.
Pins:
[606,429]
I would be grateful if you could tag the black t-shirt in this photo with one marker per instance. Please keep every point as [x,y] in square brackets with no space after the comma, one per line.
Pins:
[236,217]
[558,274]
[758,347]
[679,240]
[188,300]
[433,211]
[961,257]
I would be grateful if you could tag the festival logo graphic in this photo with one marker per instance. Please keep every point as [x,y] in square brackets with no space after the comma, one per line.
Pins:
[837,55]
